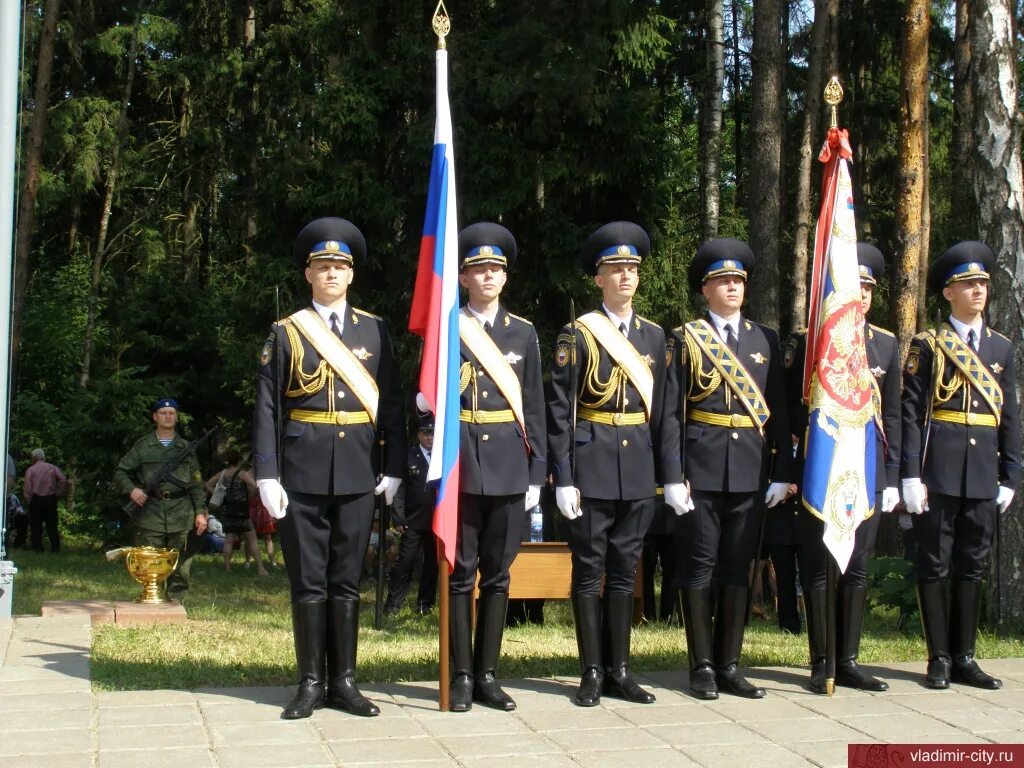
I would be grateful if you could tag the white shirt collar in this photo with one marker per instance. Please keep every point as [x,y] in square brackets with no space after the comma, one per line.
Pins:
[962,329]
[482,318]
[425,452]
[719,323]
[616,320]
[326,312]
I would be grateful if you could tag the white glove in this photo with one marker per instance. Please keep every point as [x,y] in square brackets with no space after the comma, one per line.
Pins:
[389,487]
[915,495]
[677,496]
[776,492]
[421,403]
[568,501]
[273,497]
[890,498]
[1004,498]
[532,497]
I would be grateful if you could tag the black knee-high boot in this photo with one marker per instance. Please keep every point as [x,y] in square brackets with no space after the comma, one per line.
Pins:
[490,625]
[309,626]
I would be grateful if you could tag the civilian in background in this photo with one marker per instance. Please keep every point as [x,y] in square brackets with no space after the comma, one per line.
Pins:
[44,484]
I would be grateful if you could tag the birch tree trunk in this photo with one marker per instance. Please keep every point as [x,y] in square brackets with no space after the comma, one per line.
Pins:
[1000,202]
[711,120]
[765,161]
[811,136]
[910,173]
[109,187]
[30,179]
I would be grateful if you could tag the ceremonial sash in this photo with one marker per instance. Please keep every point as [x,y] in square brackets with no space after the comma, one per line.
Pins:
[623,353]
[966,361]
[733,373]
[486,351]
[348,367]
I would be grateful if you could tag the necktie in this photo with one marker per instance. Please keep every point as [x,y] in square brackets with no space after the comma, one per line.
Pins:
[336,324]
[730,337]
[972,340]
[622,330]
[487,328]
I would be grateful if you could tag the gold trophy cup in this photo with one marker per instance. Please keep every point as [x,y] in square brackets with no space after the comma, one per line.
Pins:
[150,566]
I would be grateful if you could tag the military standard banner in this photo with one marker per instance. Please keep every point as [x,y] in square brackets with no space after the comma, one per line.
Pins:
[839,471]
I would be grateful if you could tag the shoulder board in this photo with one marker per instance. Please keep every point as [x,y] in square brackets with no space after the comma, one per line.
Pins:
[365,313]
[881,330]
[649,322]
[565,338]
[998,335]
[925,336]
[283,322]
[520,319]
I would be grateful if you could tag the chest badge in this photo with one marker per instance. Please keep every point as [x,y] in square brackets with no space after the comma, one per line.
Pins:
[649,360]
[878,371]
[757,357]
[362,353]
[513,358]
[997,368]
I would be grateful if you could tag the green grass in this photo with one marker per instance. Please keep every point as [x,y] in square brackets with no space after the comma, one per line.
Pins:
[239,632]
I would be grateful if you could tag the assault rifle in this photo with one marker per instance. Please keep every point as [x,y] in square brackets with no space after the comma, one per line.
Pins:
[152,485]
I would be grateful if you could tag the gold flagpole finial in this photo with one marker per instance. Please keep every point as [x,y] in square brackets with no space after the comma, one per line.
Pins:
[442,24]
[833,95]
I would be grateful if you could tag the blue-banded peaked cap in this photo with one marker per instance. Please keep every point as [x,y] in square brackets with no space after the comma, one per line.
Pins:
[870,263]
[329,238]
[486,243]
[718,257]
[969,260]
[618,242]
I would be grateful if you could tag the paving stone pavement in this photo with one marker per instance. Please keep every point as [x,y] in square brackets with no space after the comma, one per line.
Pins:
[50,716]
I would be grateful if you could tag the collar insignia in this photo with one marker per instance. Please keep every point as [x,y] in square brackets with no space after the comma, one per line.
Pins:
[362,353]
[758,357]
[513,358]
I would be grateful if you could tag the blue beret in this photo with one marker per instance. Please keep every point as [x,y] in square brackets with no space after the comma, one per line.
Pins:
[164,402]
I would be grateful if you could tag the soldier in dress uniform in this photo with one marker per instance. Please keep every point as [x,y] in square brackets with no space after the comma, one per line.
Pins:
[414,514]
[502,460]
[851,593]
[328,377]
[164,520]
[625,441]
[961,458]
[727,373]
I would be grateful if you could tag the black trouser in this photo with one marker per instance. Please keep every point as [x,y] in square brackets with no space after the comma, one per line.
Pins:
[954,532]
[411,545]
[814,568]
[490,530]
[787,558]
[717,540]
[659,546]
[17,530]
[324,540]
[43,510]
[607,540]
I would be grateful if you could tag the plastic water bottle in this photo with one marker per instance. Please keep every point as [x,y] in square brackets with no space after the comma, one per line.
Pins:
[536,524]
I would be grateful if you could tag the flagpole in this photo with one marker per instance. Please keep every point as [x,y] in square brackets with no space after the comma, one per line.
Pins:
[441,25]
[833,96]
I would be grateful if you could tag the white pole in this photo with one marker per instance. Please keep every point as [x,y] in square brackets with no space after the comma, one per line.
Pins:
[10,48]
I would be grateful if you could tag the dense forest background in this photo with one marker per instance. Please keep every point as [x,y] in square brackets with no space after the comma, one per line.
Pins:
[171,150]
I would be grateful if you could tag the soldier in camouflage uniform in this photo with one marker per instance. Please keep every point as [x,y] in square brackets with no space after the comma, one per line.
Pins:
[164,520]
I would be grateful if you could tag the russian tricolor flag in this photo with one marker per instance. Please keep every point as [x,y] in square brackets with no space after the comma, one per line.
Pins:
[435,317]
[839,470]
